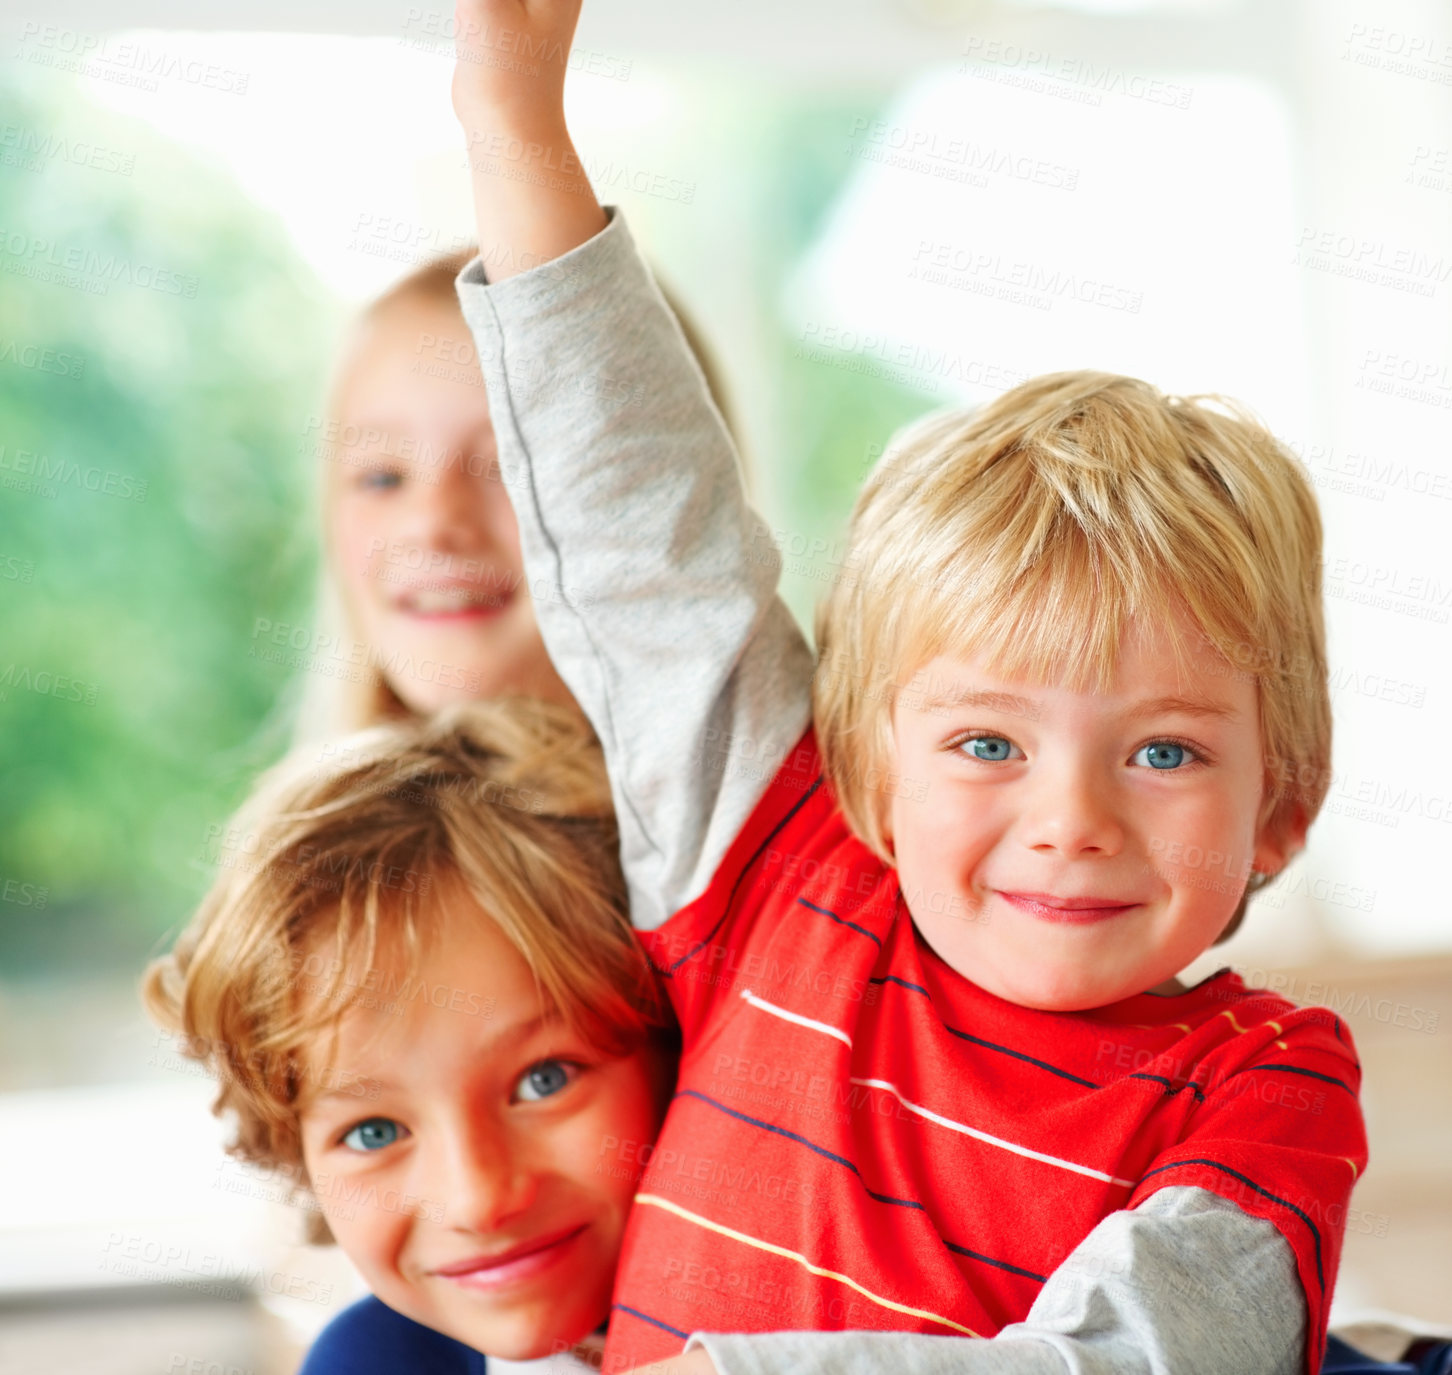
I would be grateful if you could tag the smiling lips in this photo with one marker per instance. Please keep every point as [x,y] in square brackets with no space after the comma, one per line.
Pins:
[1067,911]
[453,601]
[521,1262]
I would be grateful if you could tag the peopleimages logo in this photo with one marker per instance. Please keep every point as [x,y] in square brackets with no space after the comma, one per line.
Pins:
[40,358]
[122,62]
[86,269]
[920,148]
[29,469]
[33,150]
[1075,79]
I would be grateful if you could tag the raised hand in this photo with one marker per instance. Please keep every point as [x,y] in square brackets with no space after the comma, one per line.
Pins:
[511,57]
[532,199]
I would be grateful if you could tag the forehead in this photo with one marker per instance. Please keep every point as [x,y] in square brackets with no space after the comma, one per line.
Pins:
[468,993]
[414,357]
[419,322]
[1159,665]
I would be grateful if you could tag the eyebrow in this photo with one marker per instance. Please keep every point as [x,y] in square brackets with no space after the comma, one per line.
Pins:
[517,1035]
[1005,702]
[1182,706]
[1012,705]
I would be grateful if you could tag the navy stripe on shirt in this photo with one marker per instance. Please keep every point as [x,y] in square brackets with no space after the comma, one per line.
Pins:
[842,921]
[979,1041]
[1264,1193]
[1309,1073]
[740,878]
[654,1322]
[870,1192]
[1171,1087]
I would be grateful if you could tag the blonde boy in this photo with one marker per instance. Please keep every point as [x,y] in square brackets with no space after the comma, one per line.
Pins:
[939,1075]
[419,993]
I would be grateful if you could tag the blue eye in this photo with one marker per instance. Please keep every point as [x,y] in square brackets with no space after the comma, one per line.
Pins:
[372,1135]
[544,1080]
[992,749]
[1162,754]
[380,480]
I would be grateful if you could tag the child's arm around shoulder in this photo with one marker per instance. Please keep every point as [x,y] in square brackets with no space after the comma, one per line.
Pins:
[1225,1259]
[653,580]
[1186,1283]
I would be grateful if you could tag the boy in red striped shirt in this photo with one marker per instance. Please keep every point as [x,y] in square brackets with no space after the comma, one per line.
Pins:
[921,914]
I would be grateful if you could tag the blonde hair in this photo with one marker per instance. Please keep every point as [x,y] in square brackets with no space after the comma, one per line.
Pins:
[1037,527]
[508,799]
[329,705]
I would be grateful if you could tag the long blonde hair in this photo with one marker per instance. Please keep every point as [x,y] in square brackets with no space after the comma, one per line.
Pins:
[359,694]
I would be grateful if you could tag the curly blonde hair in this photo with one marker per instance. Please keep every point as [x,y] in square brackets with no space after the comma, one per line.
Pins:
[348,846]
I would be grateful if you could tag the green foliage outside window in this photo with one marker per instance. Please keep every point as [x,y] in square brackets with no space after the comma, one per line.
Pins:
[161,346]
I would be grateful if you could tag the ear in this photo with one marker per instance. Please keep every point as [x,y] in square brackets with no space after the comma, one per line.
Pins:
[1281,837]
[881,800]
[886,853]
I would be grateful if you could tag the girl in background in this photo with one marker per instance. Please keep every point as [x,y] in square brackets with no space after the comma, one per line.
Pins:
[421,571]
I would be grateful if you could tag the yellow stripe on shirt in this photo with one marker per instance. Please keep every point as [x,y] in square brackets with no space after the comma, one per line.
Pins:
[655,1201]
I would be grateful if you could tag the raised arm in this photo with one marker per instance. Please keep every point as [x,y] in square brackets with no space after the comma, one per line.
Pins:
[532,199]
[653,580]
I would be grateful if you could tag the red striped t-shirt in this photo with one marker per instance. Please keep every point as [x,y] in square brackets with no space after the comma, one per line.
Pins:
[863,1138]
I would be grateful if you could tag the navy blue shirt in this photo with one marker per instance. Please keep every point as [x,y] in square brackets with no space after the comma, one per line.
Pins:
[371,1339]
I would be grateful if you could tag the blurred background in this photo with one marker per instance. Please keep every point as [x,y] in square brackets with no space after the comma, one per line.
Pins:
[870,208]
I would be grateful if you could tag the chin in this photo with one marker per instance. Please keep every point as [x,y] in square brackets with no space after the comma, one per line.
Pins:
[1068,994]
[426,698]
[501,1340]
[532,1344]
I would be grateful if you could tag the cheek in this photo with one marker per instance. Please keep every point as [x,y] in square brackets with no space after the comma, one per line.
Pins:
[503,525]
[921,801]
[371,1237]
[342,1221]
[359,532]
[628,1113]
[361,1232]
[1224,820]
[937,825]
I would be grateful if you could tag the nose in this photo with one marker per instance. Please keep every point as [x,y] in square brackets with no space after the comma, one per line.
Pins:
[479,1177]
[1070,811]
[448,511]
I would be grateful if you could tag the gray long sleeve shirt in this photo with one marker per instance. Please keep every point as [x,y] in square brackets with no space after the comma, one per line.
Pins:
[655,587]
